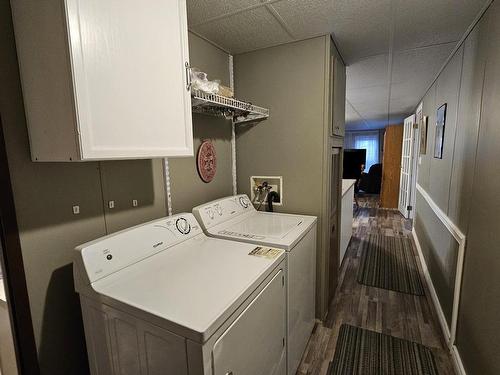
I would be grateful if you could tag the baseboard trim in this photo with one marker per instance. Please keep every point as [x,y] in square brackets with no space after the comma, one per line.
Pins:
[435,300]
[457,361]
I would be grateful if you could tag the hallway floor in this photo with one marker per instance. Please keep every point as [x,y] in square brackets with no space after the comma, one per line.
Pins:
[397,314]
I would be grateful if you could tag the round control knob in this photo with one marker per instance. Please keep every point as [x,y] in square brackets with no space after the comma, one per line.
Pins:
[211,214]
[183,225]
[244,202]
[219,210]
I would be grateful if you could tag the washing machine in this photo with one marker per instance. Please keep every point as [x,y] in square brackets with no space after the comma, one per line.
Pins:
[163,298]
[235,218]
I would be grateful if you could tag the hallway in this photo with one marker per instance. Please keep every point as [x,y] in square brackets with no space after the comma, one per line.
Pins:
[400,315]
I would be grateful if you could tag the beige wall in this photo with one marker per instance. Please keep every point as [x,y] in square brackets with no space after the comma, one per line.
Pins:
[45,193]
[465,185]
[290,80]
[188,190]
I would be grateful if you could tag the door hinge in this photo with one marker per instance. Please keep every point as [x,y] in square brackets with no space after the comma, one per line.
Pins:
[409,208]
[283,342]
[283,280]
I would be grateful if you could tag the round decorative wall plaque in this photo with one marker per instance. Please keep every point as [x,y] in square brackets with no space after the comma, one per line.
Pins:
[207,161]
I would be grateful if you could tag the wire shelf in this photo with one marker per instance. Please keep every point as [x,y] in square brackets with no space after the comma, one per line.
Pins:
[217,105]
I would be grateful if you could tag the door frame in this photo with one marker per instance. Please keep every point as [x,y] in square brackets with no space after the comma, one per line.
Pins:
[405,179]
[15,279]
[419,121]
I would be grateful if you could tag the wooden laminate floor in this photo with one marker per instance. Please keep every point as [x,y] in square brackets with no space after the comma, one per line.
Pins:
[401,315]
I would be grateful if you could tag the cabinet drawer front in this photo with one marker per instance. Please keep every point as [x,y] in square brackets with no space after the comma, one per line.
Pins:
[128,64]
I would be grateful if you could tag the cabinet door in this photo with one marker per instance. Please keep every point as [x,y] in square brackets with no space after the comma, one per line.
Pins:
[339,90]
[129,78]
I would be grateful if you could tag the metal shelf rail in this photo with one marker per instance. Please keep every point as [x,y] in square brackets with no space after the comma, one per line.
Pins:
[238,111]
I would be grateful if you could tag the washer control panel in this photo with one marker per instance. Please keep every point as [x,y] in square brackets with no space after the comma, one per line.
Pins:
[112,253]
[216,212]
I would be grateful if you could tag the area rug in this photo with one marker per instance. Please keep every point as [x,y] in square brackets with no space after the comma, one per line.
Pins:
[389,263]
[363,352]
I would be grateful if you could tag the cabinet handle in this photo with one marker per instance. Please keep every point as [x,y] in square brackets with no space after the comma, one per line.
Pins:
[188,76]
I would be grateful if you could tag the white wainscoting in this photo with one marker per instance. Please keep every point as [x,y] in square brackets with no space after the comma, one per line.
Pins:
[449,332]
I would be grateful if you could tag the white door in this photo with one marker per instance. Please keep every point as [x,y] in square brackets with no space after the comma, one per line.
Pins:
[406,167]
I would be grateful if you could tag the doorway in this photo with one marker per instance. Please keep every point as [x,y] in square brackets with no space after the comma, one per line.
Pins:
[18,353]
[406,188]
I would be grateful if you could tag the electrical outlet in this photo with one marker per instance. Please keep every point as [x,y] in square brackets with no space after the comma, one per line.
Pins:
[135,203]
[76,210]
[111,204]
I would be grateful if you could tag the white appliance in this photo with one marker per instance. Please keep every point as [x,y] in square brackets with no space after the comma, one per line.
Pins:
[163,298]
[235,218]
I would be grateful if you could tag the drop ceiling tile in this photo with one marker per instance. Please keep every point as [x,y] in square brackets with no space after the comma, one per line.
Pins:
[361,27]
[350,114]
[372,71]
[246,31]
[420,64]
[368,96]
[404,104]
[426,22]
[307,18]
[202,10]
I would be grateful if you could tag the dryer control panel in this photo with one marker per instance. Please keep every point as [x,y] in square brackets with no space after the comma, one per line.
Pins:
[216,212]
[112,253]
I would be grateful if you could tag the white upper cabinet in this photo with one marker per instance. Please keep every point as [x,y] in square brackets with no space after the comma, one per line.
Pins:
[104,79]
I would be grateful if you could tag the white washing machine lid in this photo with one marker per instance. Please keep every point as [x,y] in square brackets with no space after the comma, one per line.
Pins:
[265,228]
[195,286]
[235,218]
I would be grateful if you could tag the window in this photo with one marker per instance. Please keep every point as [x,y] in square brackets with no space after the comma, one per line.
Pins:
[365,140]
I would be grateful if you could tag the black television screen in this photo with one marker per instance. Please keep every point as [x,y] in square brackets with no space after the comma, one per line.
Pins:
[353,159]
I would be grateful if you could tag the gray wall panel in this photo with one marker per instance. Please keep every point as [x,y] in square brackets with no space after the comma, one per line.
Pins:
[467,132]
[126,180]
[440,250]
[471,199]
[447,91]
[289,80]
[424,168]
[478,336]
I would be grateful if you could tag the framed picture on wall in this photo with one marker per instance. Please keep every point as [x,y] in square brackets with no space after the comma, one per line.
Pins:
[440,126]
[423,135]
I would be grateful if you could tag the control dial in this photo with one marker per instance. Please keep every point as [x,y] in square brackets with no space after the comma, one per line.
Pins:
[183,225]
[244,202]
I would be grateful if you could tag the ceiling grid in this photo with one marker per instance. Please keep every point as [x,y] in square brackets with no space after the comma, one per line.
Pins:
[393,48]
